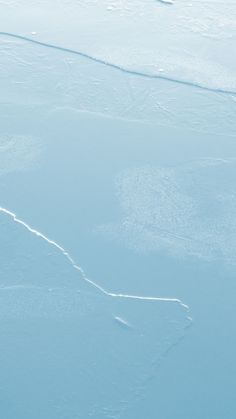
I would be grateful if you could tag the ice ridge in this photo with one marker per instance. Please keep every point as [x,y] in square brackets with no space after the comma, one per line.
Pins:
[119,67]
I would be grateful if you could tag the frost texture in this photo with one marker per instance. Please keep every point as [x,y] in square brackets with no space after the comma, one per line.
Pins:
[187,211]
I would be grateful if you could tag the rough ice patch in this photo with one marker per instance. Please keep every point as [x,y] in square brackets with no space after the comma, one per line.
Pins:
[187,210]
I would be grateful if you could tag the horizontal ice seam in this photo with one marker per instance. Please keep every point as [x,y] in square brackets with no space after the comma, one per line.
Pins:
[78,268]
[118,67]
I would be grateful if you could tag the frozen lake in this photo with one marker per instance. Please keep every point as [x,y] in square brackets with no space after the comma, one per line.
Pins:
[118,209]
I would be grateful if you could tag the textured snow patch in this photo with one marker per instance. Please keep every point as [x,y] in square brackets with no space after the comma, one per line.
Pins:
[187,210]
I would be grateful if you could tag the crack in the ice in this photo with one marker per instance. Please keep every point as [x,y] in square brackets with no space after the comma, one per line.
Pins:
[119,67]
[81,271]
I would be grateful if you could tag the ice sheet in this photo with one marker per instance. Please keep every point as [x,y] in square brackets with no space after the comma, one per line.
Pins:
[185,41]
[112,87]
[86,88]
[68,348]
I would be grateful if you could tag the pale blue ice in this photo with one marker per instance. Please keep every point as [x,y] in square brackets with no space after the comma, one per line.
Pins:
[117,210]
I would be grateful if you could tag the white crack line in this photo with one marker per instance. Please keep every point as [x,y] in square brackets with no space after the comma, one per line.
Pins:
[78,268]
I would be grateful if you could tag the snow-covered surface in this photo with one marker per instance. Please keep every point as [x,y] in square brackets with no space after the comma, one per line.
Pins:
[117,210]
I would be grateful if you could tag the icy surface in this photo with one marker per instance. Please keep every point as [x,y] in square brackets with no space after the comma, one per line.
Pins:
[68,347]
[137,34]
[117,209]
[18,152]
[187,210]
[45,69]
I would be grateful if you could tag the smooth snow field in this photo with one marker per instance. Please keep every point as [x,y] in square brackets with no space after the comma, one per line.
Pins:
[117,209]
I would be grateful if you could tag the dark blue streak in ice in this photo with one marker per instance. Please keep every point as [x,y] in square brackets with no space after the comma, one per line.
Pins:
[118,67]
